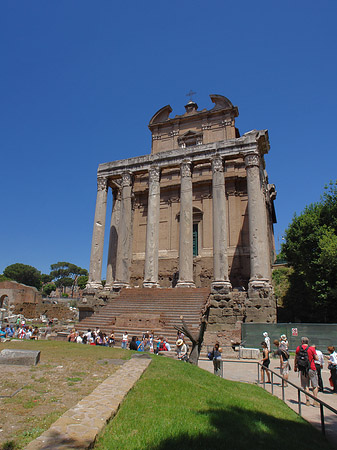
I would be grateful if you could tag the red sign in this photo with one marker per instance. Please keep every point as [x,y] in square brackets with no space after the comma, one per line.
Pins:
[294,332]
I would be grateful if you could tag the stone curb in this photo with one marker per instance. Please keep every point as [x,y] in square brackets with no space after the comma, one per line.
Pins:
[78,427]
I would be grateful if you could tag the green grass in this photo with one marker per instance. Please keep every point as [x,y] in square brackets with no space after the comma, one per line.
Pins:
[179,406]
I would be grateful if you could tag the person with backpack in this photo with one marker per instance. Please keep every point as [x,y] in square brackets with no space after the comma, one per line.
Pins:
[305,358]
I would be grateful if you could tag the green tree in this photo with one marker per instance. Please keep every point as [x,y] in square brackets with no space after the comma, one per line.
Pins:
[311,249]
[48,288]
[66,274]
[82,281]
[24,274]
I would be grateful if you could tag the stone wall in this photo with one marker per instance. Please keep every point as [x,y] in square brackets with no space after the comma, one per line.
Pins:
[32,311]
[18,293]
[228,310]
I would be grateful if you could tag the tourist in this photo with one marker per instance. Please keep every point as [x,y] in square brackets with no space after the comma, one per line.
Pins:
[161,347]
[319,367]
[266,340]
[305,358]
[9,331]
[35,334]
[283,354]
[333,367]
[29,333]
[3,333]
[79,338]
[133,343]
[125,340]
[284,342]
[216,357]
[181,350]
[265,362]
[167,345]
[72,336]
[111,339]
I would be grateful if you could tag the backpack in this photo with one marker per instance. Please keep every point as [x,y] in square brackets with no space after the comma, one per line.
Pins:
[303,363]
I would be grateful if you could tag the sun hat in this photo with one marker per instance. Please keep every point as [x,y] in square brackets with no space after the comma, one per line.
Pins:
[179,342]
[265,334]
[283,337]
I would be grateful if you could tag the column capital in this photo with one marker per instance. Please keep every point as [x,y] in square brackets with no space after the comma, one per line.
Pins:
[252,159]
[102,184]
[217,164]
[154,174]
[126,179]
[186,168]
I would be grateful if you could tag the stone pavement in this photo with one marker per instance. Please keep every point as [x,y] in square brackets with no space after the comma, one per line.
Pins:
[246,371]
[78,427]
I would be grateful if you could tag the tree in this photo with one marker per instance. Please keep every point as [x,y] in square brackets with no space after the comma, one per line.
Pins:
[24,274]
[311,249]
[82,281]
[48,288]
[66,274]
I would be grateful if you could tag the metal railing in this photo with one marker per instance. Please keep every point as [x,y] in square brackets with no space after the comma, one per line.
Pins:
[300,391]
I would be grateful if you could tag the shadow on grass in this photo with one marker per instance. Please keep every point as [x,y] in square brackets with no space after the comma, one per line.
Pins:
[55,440]
[236,428]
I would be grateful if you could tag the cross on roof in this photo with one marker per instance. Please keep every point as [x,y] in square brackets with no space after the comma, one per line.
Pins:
[190,94]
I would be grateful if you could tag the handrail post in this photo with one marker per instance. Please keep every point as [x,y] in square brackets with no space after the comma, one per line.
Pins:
[299,402]
[272,383]
[221,368]
[282,389]
[322,418]
[258,373]
[264,377]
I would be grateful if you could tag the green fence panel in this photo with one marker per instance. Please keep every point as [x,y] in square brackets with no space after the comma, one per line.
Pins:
[320,334]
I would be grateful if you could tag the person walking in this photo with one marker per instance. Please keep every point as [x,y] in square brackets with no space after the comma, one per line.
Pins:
[319,367]
[267,340]
[216,353]
[265,362]
[305,358]
[333,367]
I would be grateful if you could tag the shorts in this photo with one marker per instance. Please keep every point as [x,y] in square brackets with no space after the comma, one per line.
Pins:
[285,369]
[266,363]
[312,376]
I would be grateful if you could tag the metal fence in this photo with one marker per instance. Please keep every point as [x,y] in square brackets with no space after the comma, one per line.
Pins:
[321,334]
[300,391]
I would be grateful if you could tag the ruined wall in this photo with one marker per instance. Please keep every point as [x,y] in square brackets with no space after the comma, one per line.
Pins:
[32,311]
[18,293]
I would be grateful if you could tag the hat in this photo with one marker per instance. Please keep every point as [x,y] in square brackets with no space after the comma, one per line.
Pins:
[283,337]
[265,334]
[179,342]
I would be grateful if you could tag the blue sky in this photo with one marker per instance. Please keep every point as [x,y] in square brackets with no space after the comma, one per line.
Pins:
[80,81]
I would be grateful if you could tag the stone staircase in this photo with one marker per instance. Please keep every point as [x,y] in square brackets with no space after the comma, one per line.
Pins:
[139,310]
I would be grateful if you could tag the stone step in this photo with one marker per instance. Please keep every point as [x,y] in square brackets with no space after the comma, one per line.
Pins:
[154,309]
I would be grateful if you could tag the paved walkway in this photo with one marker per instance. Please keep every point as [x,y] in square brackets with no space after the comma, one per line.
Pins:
[79,426]
[246,372]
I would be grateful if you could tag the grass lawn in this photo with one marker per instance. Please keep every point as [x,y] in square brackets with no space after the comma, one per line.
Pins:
[179,406]
[66,373]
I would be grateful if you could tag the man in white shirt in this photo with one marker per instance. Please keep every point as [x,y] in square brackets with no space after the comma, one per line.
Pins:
[319,367]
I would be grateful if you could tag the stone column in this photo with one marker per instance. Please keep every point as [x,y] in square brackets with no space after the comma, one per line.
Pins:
[113,240]
[186,227]
[124,245]
[220,256]
[152,230]
[95,271]
[258,233]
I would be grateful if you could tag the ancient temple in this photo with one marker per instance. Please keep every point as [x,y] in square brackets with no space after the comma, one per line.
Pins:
[195,212]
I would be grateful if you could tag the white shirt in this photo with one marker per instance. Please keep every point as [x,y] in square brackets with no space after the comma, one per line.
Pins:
[320,361]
